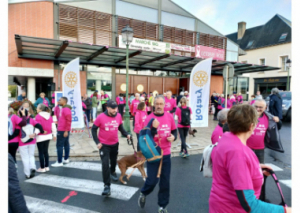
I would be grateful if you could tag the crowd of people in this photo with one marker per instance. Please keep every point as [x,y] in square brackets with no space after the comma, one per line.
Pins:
[238,159]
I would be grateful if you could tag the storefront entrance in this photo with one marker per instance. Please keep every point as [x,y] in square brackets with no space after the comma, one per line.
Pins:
[265,85]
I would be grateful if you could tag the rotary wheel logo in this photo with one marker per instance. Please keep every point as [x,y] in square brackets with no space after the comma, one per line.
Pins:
[200,78]
[140,88]
[71,79]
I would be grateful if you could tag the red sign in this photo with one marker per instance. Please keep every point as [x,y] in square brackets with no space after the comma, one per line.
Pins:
[209,52]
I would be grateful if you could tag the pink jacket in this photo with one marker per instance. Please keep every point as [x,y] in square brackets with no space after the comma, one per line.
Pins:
[64,123]
[119,101]
[240,99]
[223,102]
[57,112]
[46,124]
[140,118]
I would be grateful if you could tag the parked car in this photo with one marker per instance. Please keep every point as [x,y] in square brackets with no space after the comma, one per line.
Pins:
[286,104]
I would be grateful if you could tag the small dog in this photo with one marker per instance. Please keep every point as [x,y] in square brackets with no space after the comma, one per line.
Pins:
[128,161]
[192,132]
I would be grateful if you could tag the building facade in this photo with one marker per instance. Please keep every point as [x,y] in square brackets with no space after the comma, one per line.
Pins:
[268,44]
[100,23]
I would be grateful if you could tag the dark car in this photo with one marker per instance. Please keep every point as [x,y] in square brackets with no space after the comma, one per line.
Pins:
[286,104]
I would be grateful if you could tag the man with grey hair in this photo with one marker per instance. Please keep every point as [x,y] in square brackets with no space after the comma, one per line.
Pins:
[218,131]
[256,142]
[275,104]
[164,132]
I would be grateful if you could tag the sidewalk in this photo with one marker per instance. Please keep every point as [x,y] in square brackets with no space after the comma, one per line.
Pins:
[85,147]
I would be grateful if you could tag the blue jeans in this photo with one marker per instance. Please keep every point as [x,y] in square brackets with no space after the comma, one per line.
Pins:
[88,114]
[62,143]
[164,180]
[94,113]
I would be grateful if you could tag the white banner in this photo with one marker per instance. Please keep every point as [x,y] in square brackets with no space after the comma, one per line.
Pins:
[71,90]
[199,92]
[148,45]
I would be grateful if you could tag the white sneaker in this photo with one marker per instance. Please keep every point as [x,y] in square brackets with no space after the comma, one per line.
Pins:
[66,161]
[56,164]
[41,170]
[47,169]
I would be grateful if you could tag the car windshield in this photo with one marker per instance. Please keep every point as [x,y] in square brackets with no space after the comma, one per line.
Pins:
[286,95]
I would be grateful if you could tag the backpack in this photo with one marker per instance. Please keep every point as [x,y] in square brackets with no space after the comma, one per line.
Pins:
[185,116]
[10,126]
[148,147]
[26,131]
[206,163]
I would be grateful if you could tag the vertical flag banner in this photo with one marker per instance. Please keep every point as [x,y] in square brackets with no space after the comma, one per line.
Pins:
[199,92]
[71,90]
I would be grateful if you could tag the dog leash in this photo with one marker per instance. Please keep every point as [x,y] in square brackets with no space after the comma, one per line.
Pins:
[130,142]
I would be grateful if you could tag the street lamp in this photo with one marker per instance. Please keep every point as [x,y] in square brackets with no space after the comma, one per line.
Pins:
[288,63]
[127,36]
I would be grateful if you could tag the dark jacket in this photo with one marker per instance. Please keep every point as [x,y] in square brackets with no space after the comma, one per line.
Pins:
[21,98]
[275,105]
[40,101]
[178,99]
[272,137]
[16,201]
[88,103]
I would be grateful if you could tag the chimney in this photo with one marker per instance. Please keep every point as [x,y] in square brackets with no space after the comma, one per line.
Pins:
[241,29]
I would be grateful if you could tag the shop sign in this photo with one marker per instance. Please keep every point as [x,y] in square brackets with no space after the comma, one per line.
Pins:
[184,48]
[148,45]
[209,52]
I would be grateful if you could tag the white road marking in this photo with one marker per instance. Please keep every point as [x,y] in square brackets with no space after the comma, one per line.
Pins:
[98,167]
[275,168]
[82,185]
[288,183]
[36,205]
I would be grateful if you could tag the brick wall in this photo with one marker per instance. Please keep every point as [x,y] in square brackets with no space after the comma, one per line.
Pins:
[29,19]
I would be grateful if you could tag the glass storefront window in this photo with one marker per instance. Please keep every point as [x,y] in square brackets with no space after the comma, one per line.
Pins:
[145,72]
[186,74]
[174,74]
[123,71]
[161,73]
[238,85]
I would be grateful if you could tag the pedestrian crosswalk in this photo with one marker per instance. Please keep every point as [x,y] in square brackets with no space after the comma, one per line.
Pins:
[36,205]
[82,185]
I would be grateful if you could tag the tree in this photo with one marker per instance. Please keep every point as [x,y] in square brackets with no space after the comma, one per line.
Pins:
[13,90]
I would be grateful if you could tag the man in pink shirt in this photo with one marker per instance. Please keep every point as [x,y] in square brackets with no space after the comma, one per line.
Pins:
[109,123]
[170,105]
[218,131]
[257,140]
[63,133]
[164,133]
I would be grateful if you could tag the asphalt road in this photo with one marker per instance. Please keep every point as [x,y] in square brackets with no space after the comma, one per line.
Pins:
[189,189]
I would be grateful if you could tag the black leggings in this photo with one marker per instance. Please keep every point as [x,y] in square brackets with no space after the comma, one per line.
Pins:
[43,153]
[12,149]
[183,132]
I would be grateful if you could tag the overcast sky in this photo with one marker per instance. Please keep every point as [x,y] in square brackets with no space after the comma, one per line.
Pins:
[224,15]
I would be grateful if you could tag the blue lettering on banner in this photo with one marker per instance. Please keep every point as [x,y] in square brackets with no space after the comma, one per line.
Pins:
[74,118]
[199,106]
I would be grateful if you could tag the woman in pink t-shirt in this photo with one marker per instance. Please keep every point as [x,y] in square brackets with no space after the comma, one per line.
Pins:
[27,148]
[14,124]
[218,131]
[183,128]
[237,174]
[140,117]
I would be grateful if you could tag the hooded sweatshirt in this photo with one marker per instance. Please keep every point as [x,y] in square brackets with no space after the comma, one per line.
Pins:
[140,118]
[65,120]
[45,119]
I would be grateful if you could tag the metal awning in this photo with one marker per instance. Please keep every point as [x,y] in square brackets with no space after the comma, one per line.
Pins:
[65,51]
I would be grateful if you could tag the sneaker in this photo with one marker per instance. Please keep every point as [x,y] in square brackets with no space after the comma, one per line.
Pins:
[106,191]
[181,153]
[142,200]
[114,176]
[162,210]
[27,177]
[41,170]
[32,173]
[187,155]
[66,161]
[56,164]
[47,169]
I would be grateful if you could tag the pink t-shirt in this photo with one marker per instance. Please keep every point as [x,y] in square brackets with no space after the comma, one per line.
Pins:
[235,167]
[45,102]
[217,134]
[108,128]
[169,104]
[15,121]
[166,125]
[257,139]
[33,123]
[134,105]
[140,117]
[222,102]
[252,102]
[178,113]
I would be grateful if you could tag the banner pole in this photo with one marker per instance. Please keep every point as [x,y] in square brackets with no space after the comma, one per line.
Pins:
[226,82]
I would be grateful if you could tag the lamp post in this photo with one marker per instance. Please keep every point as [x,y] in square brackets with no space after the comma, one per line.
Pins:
[127,36]
[288,63]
